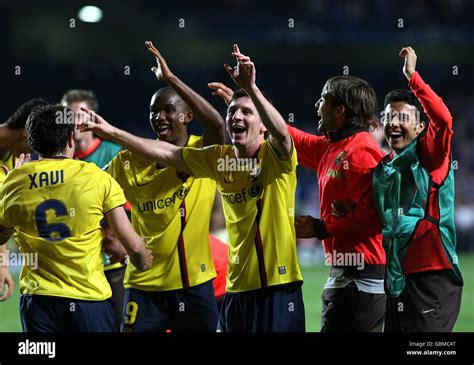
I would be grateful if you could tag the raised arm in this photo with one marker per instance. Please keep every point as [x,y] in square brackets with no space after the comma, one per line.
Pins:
[244,76]
[222,91]
[162,152]
[435,147]
[212,122]
[134,245]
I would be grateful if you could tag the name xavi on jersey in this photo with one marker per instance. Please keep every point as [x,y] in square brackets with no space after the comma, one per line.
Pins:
[46,178]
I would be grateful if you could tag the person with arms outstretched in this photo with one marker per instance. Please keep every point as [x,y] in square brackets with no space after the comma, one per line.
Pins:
[264,277]
[344,158]
[173,210]
[414,194]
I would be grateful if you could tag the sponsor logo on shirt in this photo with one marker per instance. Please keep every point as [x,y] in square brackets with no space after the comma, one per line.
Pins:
[336,174]
[254,191]
[156,204]
[340,157]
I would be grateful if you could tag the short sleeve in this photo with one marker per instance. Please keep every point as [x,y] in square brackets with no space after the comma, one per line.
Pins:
[309,147]
[113,196]
[202,161]
[282,166]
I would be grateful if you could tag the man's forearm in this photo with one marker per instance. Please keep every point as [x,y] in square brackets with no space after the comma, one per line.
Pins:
[209,117]
[270,116]
[432,103]
[162,152]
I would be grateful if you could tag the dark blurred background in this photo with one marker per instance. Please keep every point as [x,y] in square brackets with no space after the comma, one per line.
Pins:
[296,45]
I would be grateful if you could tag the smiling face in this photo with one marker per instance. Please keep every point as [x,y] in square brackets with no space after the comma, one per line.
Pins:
[401,124]
[243,123]
[169,116]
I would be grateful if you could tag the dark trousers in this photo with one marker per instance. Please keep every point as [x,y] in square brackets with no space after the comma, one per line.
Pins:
[350,310]
[430,302]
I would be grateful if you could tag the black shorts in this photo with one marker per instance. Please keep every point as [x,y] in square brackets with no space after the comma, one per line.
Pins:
[351,310]
[192,309]
[273,309]
[430,302]
[41,313]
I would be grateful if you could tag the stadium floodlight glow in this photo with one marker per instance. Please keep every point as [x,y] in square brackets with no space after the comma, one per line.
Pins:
[90,14]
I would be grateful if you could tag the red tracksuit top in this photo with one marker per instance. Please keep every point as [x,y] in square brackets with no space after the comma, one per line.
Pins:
[344,172]
[425,252]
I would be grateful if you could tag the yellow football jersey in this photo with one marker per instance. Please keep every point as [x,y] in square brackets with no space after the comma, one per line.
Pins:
[258,198]
[55,206]
[172,210]
[6,161]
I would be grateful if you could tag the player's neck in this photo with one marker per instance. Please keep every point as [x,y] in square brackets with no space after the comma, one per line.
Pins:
[182,140]
[53,157]
[68,153]
[247,151]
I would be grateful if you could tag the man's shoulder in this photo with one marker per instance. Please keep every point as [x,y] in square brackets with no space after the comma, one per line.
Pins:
[364,151]
[217,149]
[194,141]
[364,142]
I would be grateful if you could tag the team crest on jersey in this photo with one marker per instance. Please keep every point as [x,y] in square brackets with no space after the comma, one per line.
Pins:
[340,157]
[182,192]
[255,189]
[255,171]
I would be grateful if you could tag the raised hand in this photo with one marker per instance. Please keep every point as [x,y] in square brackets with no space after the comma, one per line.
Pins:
[409,66]
[221,90]
[244,73]
[95,123]
[162,71]
[24,158]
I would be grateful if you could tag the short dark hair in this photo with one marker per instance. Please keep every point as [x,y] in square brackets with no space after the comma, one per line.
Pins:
[48,128]
[357,96]
[241,93]
[78,95]
[408,97]
[18,119]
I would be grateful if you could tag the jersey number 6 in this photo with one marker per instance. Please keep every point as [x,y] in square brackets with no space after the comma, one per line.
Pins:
[54,231]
